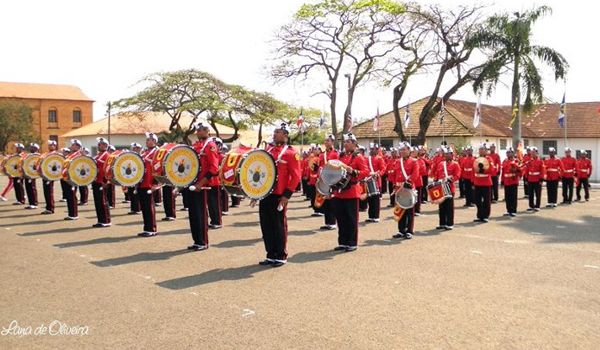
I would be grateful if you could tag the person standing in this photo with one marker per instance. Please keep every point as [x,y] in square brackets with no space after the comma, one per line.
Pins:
[48,186]
[482,181]
[99,185]
[134,201]
[467,175]
[419,182]
[496,172]
[30,184]
[110,187]
[553,167]
[447,170]
[376,166]
[18,181]
[329,154]
[146,188]
[584,170]
[526,159]
[272,210]
[422,153]
[214,194]
[406,175]
[568,176]
[390,171]
[510,178]
[64,185]
[535,172]
[72,213]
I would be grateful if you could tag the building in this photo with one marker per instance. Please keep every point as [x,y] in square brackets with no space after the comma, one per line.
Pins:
[55,109]
[126,128]
[540,128]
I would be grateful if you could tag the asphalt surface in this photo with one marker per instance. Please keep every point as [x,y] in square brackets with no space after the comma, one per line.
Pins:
[528,282]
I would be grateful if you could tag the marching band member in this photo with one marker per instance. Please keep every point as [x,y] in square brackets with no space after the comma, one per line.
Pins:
[461,182]
[30,184]
[72,190]
[272,209]
[584,170]
[510,178]
[48,186]
[363,204]
[482,181]
[84,191]
[568,176]
[99,185]
[553,167]
[376,166]
[405,175]
[169,195]
[18,181]
[422,154]
[390,169]
[145,191]
[467,174]
[304,172]
[223,195]
[313,175]
[329,154]
[345,201]
[64,185]
[495,157]
[535,175]
[419,182]
[447,170]
[198,195]
[526,160]
[134,201]
[214,194]
[110,187]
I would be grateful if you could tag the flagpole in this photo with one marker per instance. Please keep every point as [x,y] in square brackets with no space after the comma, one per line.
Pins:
[565,113]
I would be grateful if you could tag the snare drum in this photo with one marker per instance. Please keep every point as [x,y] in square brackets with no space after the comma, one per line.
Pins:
[438,191]
[334,175]
[406,198]
[176,165]
[371,186]
[124,168]
[80,170]
[50,166]
[12,166]
[247,172]
[30,163]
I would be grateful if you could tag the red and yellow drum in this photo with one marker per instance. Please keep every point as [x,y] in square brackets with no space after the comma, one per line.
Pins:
[176,165]
[30,163]
[438,191]
[12,166]
[247,172]
[50,166]
[124,168]
[2,161]
[80,171]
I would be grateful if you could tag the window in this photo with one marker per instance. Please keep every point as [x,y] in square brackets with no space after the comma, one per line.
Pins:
[52,116]
[526,143]
[386,143]
[77,116]
[502,144]
[546,144]
[53,138]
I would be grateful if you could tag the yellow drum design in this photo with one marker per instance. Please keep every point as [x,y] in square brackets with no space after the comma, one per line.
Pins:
[12,166]
[51,165]
[125,168]
[30,166]
[176,165]
[257,174]
[81,170]
[2,161]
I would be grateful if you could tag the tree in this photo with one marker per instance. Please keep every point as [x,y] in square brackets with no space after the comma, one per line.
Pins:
[332,36]
[507,39]
[16,123]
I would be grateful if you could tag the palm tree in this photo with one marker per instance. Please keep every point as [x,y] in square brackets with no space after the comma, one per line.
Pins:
[507,38]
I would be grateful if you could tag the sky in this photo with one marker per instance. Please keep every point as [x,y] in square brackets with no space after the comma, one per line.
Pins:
[105,47]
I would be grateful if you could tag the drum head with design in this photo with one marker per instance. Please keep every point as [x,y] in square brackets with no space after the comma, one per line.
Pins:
[258,174]
[30,166]
[51,167]
[2,161]
[82,170]
[332,173]
[323,188]
[128,169]
[12,167]
[181,166]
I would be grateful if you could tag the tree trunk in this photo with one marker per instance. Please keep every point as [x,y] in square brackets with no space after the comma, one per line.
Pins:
[515,102]
[348,111]
[397,96]
[260,126]
[332,103]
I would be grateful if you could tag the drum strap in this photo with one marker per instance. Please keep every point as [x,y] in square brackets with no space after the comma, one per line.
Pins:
[280,156]
[203,147]
[149,155]
[445,169]
[403,170]
[325,156]
[371,164]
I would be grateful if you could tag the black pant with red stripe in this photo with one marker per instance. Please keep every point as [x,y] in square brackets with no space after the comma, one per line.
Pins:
[65,188]
[374,206]
[567,189]
[224,200]
[214,205]
[495,188]
[327,210]
[100,203]
[384,184]
[406,224]
[586,188]
[111,195]
[420,191]
[535,194]
[185,197]
[392,197]
[134,200]
[157,196]
[483,201]
[19,192]
[147,205]
[31,189]
[49,194]
[346,214]
[510,197]
[552,188]
[425,179]
[84,193]
[447,212]
[71,201]
[469,195]
[169,201]
[273,224]
[198,215]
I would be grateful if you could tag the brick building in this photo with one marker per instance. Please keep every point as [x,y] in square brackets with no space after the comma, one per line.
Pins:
[55,109]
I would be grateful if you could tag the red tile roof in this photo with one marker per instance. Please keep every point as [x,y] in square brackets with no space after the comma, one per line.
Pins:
[42,91]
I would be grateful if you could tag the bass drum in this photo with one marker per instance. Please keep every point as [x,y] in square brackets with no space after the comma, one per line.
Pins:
[2,161]
[176,165]
[30,163]
[248,172]
[50,166]
[124,168]
[12,166]
[80,171]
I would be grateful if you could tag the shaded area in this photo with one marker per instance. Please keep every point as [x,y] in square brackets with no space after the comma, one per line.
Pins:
[238,243]
[213,276]
[140,257]
[108,240]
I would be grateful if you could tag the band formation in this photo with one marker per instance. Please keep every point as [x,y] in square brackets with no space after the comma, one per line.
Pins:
[339,184]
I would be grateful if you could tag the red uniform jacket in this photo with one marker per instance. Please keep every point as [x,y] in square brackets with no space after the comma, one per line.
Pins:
[358,163]
[288,170]
[497,163]
[435,161]
[535,170]
[453,170]
[553,168]
[148,157]
[100,161]
[428,165]
[391,168]
[484,179]
[209,161]
[569,167]
[584,168]
[411,168]
[304,168]
[509,175]
[422,171]
[466,167]
[526,160]
[377,165]
[313,169]
[326,156]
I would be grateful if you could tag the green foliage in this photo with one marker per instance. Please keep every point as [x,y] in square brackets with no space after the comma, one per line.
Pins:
[16,123]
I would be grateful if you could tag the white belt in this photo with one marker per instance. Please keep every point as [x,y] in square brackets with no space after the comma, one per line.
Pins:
[534,174]
[481,175]
[584,170]
[468,169]
[569,171]
[509,175]
[552,169]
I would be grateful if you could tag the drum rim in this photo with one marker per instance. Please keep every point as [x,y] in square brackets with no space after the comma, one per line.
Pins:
[275,173]
[47,156]
[83,156]
[35,172]
[169,151]
[128,152]
[8,159]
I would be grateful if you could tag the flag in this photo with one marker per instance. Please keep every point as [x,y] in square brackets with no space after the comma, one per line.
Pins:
[442,113]
[562,117]
[300,120]
[321,120]
[376,121]
[407,116]
[520,151]
[477,115]
[515,113]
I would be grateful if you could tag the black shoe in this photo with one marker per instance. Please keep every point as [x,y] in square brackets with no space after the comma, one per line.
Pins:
[133,213]
[192,247]
[390,205]
[398,235]
[351,249]
[339,248]
[512,215]
[214,227]
[408,235]
[200,248]
[183,209]
[97,225]
[277,264]
[168,219]
[440,227]
[478,220]
[266,262]
[19,203]
[47,212]
[449,228]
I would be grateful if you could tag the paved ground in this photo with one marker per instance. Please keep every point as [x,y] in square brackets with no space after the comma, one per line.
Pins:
[529,282]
